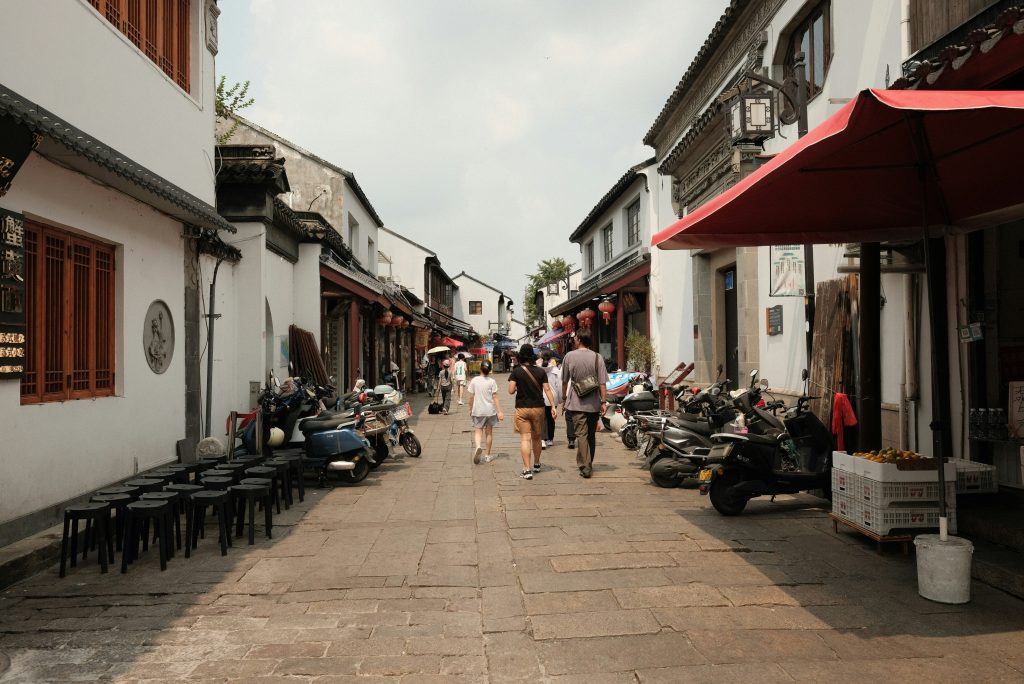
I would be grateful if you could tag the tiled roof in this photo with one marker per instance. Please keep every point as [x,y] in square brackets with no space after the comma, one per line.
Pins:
[667,165]
[937,61]
[714,39]
[609,198]
[238,164]
[193,209]
[463,274]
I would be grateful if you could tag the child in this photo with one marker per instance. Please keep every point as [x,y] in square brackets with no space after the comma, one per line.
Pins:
[444,381]
[484,409]
[460,376]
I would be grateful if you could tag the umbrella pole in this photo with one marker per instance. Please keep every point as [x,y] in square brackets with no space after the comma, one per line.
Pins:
[935,258]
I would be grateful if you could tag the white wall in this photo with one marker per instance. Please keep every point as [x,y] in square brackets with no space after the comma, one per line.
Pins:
[367,230]
[671,298]
[470,290]
[59,450]
[407,261]
[64,56]
[616,216]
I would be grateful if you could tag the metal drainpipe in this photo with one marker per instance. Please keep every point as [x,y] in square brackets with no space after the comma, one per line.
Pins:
[210,318]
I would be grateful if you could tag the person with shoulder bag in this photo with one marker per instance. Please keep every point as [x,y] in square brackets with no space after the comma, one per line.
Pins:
[584,371]
[530,385]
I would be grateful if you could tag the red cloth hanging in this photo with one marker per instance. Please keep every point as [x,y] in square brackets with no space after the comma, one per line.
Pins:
[842,418]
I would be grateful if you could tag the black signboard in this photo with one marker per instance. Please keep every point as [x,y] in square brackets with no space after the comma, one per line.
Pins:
[16,142]
[773,319]
[12,295]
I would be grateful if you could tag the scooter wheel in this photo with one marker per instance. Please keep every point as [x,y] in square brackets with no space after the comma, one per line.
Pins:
[357,474]
[380,452]
[629,437]
[723,498]
[411,444]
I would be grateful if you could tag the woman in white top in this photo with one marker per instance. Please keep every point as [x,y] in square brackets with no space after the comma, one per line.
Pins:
[550,366]
[484,409]
[460,375]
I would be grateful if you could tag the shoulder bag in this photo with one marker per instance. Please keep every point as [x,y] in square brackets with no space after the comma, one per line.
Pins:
[530,375]
[589,384]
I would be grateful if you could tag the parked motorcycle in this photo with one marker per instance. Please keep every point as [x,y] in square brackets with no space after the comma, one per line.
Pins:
[781,460]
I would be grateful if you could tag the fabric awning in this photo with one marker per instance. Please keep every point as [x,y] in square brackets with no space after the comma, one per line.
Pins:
[553,335]
[857,177]
[451,342]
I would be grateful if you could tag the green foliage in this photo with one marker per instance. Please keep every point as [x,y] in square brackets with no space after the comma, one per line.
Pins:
[548,271]
[229,102]
[639,352]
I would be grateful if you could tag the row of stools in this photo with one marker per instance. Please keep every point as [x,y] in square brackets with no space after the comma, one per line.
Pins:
[121,517]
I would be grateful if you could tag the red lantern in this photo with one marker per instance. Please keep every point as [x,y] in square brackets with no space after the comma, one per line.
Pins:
[396,321]
[606,308]
[569,323]
[556,324]
[385,318]
[586,317]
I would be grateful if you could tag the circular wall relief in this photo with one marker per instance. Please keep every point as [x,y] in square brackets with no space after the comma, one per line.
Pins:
[158,336]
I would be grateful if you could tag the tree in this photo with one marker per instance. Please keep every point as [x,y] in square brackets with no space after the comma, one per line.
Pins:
[548,271]
[229,102]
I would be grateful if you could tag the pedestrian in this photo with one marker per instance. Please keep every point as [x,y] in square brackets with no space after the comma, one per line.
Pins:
[530,385]
[461,376]
[484,410]
[588,400]
[444,381]
[550,366]
[432,372]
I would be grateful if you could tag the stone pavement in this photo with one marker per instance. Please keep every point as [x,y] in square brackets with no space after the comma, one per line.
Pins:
[438,570]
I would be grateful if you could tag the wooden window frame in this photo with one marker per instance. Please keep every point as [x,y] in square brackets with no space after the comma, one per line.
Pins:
[161,29]
[588,255]
[608,242]
[75,346]
[476,308]
[633,226]
[806,24]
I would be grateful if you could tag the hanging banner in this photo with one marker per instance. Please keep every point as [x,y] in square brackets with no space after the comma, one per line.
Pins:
[12,295]
[786,265]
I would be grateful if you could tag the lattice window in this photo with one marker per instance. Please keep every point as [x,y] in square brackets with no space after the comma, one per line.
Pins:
[160,28]
[69,346]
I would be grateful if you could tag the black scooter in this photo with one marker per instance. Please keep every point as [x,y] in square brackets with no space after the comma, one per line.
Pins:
[794,456]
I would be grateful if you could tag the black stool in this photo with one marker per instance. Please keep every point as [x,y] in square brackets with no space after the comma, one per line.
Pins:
[180,472]
[217,482]
[212,461]
[95,514]
[283,477]
[185,492]
[191,471]
[249,459]
[268,473]
[146,484]
[137,526]
[130,491]
[174,499]
[297,472]
[236,469]
[117,503]
[251,493]
[218,500]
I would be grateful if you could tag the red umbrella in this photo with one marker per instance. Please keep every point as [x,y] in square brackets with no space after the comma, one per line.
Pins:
[890,165]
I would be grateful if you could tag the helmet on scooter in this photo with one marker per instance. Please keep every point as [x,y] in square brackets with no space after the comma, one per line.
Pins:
[276,437]
[617,422]
[670,472]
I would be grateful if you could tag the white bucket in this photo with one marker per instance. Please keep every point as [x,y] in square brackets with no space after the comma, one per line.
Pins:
[944,568]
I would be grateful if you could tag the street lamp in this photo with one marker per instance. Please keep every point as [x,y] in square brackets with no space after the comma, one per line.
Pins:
[750,118]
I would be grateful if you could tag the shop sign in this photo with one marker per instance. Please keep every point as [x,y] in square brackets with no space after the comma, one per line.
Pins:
[12,295]
[786,265]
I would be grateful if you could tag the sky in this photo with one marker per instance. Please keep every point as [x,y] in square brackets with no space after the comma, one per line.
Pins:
[485,130]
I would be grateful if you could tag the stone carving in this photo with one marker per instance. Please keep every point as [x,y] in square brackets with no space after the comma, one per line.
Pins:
[158,337]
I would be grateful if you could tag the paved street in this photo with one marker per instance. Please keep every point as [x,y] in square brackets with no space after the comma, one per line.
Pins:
[438,570]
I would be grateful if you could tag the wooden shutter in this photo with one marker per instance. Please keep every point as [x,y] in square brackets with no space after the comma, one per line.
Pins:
[53,315]
[30,380]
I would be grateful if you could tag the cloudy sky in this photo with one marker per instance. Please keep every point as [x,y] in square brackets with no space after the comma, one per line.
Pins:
[483,129]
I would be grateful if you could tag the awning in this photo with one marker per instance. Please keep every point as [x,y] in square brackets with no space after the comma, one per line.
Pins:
[451,342]
[553,335]
[857,177]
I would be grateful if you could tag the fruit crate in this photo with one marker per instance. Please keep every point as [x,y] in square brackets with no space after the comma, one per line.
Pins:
[885,520]
[912,471]
[847,507]
[882,494]
[975,478]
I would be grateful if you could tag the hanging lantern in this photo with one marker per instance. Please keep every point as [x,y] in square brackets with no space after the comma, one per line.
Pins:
[586,317]
[396,321]
[556,324]
[569,323]
[606,308]
[385,318]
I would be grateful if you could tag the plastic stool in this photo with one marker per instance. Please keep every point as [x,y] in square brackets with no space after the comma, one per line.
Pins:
[144,511]
[98,513]
[218,500]
[268,473]
[117,503]
[297,472]
[146,484]
[251,493]
[185,492]
[283,477]
[174,499]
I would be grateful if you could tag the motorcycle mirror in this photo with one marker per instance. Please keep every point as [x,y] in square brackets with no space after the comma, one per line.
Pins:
[764,383]
[716,390]
[720,369]
[804,374]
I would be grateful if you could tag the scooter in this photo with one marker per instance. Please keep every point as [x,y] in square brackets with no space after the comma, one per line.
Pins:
[793,459]
[333,444]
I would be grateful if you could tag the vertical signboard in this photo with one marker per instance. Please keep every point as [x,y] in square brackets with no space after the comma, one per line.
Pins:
[12,295]
[787,269]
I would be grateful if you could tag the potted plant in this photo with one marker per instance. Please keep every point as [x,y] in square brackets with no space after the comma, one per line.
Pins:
[639,352]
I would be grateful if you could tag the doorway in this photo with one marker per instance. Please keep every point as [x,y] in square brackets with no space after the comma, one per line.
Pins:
[732,347]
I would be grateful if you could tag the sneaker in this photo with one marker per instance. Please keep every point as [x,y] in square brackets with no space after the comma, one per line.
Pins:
[572,445]
[476,454]
[460,402]
[543,444]
[536,467]
[585,471]
[445,412]
[527,475]
[488,458]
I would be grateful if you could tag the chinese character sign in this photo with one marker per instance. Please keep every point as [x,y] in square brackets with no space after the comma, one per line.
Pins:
[787,269]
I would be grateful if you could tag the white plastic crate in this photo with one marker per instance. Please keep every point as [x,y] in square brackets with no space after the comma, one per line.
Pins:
[847,507]
[885,520]
[975,478]
[886,472]
[878,493]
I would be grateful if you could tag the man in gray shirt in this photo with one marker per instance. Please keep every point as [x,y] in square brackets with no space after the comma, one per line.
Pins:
[584,412]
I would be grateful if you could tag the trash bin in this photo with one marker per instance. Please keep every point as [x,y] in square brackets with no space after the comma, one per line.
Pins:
[944,568]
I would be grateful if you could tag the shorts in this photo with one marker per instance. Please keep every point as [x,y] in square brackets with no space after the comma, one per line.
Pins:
[462,383]
[530,420]
[484,421]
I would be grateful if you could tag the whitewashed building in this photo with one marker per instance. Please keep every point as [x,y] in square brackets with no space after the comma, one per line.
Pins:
[486,308]
[106,199]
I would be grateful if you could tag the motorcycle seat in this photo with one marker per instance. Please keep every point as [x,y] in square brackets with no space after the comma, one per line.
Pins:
[752,437]
[695,424]
[320,424]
